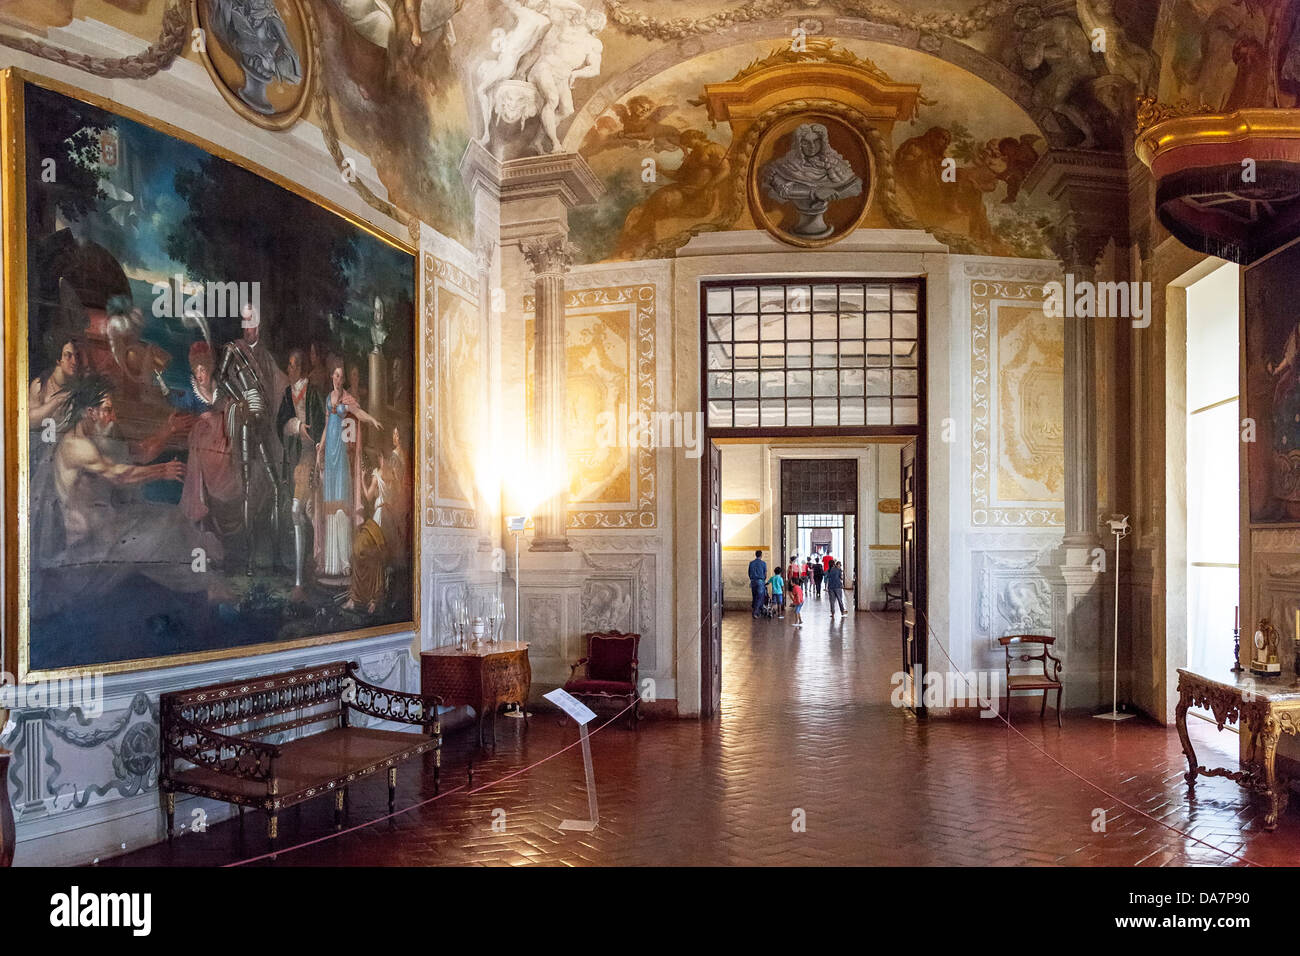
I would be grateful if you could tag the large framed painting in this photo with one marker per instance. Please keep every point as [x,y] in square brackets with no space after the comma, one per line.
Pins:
[1272,387]
[210,388]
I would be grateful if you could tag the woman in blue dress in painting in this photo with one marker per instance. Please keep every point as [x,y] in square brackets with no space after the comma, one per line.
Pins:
[339,461]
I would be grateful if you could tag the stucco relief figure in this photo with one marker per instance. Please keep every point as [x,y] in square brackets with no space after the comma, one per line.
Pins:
[375,19]
[1059,42]
[531,21]
[570,51]
[551,45]
[254,31]
[1122,56]
[811,176]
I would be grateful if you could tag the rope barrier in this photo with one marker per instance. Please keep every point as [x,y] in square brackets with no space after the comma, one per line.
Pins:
[1074,773]
[415,806]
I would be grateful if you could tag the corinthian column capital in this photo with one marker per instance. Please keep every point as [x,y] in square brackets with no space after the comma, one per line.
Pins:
[548,255]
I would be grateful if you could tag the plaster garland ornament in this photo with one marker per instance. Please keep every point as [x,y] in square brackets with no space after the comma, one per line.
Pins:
[957,25]
[330,133]
[158,56]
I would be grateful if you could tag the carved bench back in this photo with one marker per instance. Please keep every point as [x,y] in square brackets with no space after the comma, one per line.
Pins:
[259,700]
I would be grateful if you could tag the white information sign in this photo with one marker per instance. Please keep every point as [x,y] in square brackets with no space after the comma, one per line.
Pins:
[571,706]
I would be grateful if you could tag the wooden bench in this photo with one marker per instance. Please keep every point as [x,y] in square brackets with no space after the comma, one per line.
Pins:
[206,753]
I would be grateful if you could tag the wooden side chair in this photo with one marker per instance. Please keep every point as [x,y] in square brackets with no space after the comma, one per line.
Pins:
[894,590]
[1047,682]
[611,670]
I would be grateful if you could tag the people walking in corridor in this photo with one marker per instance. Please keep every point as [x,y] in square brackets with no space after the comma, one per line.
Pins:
[796,603]
[835,584]
[818,572]
[757,575]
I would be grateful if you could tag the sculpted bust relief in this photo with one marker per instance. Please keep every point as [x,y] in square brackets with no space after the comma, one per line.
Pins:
[256,34]
[810,176]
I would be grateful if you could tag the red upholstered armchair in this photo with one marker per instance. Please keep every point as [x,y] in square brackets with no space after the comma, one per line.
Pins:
[611,664]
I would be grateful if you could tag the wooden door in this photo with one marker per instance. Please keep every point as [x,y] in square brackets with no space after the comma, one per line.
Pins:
[711,561]
[912,553]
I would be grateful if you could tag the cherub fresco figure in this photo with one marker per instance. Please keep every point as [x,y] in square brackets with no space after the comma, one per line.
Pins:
[695,194]
[638,123]
[1019,157]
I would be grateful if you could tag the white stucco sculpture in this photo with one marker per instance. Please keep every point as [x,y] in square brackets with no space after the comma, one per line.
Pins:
[549,47]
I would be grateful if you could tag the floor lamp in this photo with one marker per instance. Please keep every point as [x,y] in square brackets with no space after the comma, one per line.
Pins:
[516,524]
[1119,528]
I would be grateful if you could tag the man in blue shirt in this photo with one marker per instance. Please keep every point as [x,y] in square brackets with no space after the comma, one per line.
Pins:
[757,575]
[835,583]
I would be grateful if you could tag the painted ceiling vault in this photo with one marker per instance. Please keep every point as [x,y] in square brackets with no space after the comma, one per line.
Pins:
[999,84]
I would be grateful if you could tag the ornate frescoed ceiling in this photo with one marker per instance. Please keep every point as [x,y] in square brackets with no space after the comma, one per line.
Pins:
[1002,83]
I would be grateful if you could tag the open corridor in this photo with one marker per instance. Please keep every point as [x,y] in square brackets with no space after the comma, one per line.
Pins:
[806,724]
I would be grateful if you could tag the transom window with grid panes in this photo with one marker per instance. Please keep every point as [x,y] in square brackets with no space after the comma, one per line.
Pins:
[838,352]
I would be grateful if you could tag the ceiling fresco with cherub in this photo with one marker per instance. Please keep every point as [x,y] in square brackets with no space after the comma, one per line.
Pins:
[410,83]
[669,171]
[998,84]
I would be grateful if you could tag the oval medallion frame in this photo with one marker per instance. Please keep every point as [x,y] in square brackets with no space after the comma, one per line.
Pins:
[843,215]
[280,110]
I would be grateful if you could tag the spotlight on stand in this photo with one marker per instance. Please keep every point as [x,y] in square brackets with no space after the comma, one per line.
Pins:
[516,525]
[1119,528]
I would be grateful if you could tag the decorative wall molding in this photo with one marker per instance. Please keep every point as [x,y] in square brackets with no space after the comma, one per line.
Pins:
[449,274]
[641,301]
[1012,593]
[1033,272]
[991,396]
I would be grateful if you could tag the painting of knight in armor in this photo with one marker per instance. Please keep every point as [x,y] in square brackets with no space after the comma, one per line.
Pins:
[217,388]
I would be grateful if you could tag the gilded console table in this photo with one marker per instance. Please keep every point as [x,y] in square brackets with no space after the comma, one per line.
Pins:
[483,678]
[1266,709]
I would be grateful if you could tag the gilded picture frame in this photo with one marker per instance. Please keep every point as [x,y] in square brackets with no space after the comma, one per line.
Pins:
[271,80]
[15,85]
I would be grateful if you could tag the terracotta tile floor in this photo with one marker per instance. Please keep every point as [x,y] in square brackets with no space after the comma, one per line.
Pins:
[806,725]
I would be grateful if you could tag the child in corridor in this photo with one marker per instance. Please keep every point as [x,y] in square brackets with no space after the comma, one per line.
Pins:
[796,602]
[777,584]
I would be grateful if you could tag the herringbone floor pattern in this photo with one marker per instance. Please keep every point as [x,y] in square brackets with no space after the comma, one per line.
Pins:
[806,732]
